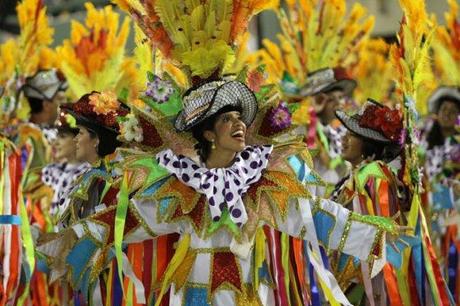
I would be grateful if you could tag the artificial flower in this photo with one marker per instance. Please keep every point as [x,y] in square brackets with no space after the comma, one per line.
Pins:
[70,120]
[382,119]
[130,129]
[159,90]
[402,137]
[280,117]
[104,102]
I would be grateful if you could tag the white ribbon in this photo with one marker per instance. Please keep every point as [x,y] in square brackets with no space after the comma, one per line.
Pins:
[138,286]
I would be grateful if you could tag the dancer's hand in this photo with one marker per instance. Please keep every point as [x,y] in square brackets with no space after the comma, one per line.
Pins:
[392,238]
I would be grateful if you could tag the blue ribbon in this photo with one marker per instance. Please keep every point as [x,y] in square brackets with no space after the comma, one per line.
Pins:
[452,269]
[117,293]
[10,219]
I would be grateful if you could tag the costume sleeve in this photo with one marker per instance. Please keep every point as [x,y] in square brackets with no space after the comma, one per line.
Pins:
[141,223]
[335,227]
[80,248]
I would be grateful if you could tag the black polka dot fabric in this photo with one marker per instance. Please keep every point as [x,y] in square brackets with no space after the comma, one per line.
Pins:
[60,178]
[335,136]
[50,134]
[223,187]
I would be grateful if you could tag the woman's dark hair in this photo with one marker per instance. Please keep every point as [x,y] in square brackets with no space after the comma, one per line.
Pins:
[379,150]
[67,131]
[203,147]
[36,105]
[107,142]
[445,99]
[373,148]
[434,136]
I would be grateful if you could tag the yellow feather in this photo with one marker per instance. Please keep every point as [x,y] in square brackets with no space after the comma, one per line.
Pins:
[166,12]
[197,18]
[91,64]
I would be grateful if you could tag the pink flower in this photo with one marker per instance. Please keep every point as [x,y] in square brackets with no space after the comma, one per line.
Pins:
[280,117]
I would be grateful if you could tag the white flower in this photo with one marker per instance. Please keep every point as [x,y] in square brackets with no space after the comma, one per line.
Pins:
[131,130]
[159,90]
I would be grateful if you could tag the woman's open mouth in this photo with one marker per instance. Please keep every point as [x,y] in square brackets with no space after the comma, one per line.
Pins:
[239,135]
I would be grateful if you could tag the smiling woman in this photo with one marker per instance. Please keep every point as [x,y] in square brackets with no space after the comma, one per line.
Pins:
[220,137]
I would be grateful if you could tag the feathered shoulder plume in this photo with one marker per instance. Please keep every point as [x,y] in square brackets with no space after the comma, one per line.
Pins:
[196,36]
[315,35]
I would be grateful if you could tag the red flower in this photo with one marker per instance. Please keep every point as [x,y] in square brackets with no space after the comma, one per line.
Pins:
[383,120]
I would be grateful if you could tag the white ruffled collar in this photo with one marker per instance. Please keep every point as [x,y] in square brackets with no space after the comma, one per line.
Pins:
[223,187]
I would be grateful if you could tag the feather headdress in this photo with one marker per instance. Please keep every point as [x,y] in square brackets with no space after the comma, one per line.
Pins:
[411,55]
[24,56]
[315,35]
[94,56]
[35,37]
[196,36]
[373,71]
[30,51]
[446,47]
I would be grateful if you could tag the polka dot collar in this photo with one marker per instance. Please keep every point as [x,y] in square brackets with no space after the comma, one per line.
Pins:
[223,187]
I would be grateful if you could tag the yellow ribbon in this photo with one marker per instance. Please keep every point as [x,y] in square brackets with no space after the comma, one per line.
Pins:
[176,260]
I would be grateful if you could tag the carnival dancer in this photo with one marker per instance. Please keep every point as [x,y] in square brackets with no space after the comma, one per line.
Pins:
[95,118]
[83,186]
[218,201]
[417,276]
[330,90]
[371,142]
[440,141]
[311,68]
[217,222]
[439,132]
[61,175]
[44,93]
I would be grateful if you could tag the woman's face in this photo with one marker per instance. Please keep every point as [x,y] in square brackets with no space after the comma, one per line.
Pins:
[229,132]
[65,147]
[327,103]
[352,146]
[448,113]
[86,146]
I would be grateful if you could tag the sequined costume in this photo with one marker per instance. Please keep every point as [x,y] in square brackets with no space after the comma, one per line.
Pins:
[220,257]
[176,204]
